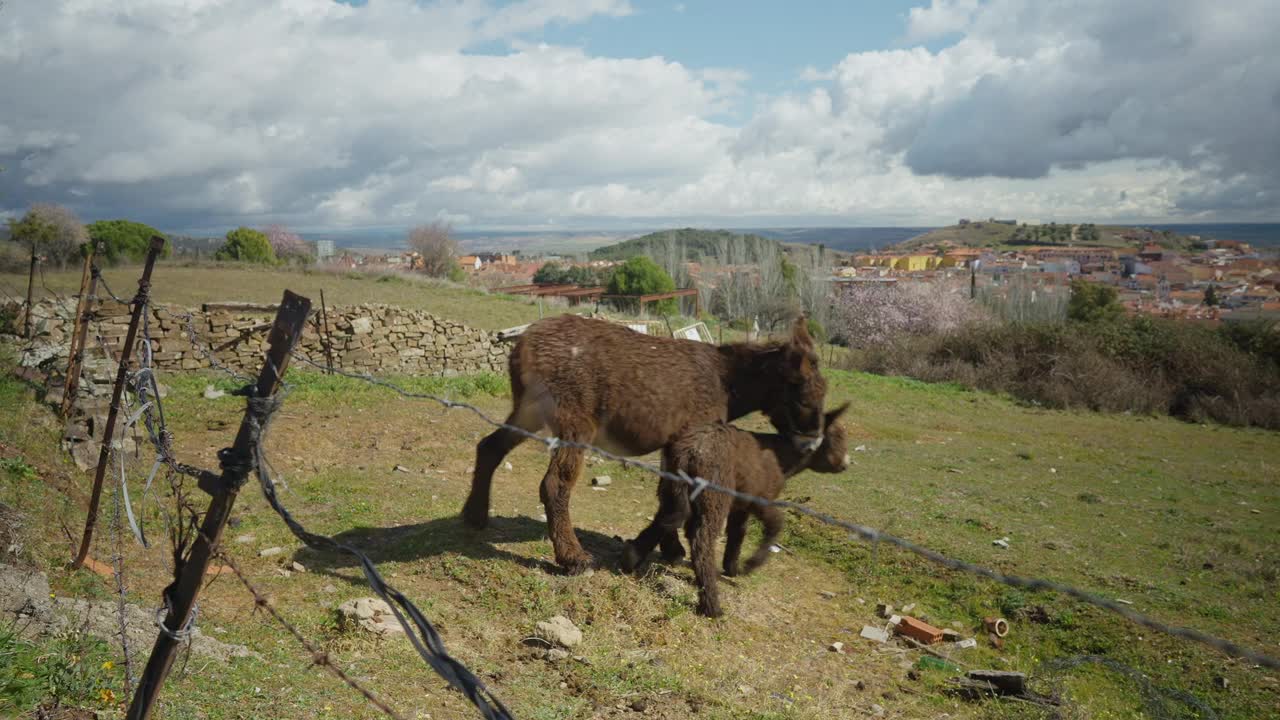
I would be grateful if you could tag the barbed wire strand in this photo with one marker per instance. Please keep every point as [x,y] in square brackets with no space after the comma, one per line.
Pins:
[426,640]
[862,531]
[318,656]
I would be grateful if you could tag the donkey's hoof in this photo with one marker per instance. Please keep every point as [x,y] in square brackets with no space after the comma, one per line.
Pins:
[474,517]
[732,570]
[630,557]
[709,608]
[577,565]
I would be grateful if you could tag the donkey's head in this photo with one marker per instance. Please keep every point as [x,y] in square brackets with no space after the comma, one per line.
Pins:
[833,455]
[796,409]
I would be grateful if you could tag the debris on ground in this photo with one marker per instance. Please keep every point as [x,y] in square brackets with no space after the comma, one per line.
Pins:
[884,610]
[836,647]
[996,626]
[1002,543]
[601,480]
[559,630]
[874,633]
[919,630]
[268,552]
[401,469]
[212,393]
[369,614]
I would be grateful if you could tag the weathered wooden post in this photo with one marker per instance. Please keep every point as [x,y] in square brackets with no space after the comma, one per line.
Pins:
[108,432]
[31,286]
[237,463]
[75,355]
[324,335]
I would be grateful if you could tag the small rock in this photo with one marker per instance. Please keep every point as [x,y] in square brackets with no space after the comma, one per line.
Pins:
[908,608]
[245,539]
[1255,511]
[877,711]
[860,448]
[559,630]
[370,614]
[556,654]
[746,689]
[967,643]
[639,705]
[827,595]
[884,610]
[400,468]
[212,393]
[1002,542]
[836,647]
[506,465]
[297,567]
[270,551]
[601,480]
[542,517]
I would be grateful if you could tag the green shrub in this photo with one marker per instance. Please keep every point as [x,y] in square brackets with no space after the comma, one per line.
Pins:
[642,276]
[247,245]
[124,240]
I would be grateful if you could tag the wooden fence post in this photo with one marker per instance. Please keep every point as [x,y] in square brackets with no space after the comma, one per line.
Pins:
[324,335]
[285,333]
[31,286]
[88,287]
[108,432]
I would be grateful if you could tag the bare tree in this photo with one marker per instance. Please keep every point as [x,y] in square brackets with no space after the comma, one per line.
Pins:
[50,230]
[436,246]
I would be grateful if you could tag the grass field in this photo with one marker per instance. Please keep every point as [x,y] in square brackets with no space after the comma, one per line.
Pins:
[189,286]
[1179,519]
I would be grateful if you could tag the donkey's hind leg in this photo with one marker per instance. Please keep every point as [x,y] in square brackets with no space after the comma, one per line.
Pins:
[489,455]
[557,487]
[703,528]
[734,534]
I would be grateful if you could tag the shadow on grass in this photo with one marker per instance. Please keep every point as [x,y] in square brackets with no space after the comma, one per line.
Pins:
[449,535]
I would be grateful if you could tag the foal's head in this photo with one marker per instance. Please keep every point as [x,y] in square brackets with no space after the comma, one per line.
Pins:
[797,409]
[833,455]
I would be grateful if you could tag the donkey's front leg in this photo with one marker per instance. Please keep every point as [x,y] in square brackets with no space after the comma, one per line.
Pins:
[772,518]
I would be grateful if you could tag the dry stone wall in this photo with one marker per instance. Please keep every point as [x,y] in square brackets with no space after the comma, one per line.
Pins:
[377,339]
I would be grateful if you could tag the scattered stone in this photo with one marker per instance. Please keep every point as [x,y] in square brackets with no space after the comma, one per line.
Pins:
[950,634]
[967,643]
[270,551]
[213,393]
[1255,511]
[1002,542]
[542,517]
[297,567]
[908,607]
[874,633]
[827,595]
[556,654]
[884,610]
[860,448]
[836,647]
[1124,602]
[601,480]
[329,588]
[877,711]
[746,689]
[559,630]
[506,465]
[369,614]
[401,469]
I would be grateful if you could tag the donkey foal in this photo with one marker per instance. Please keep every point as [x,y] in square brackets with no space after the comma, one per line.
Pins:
[752,463]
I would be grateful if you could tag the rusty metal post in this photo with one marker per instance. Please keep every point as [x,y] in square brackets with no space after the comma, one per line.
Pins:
[325,337]
[31,286]
[285,333]
[75,355]
[108,432]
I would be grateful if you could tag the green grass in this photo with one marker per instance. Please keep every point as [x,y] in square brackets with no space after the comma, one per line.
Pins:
[1154,511]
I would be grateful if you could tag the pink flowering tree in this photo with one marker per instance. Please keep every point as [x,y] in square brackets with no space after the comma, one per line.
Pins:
[869,314]
[288,245]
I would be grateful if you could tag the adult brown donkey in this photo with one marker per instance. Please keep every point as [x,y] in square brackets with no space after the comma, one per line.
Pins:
[593,381]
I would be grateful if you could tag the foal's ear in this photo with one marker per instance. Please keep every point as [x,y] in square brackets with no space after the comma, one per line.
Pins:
[800,333]
[833,415]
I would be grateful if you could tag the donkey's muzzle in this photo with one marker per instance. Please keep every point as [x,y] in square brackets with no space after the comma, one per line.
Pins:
[807,443]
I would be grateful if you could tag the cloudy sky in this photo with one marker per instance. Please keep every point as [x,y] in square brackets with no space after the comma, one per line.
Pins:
[201,114]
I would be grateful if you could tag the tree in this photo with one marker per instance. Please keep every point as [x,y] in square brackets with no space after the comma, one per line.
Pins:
[247,245]
[287,244]
[50,230]
[1093,302]
[438,249]
[124,240]
[642,276]
[554,273]
[1211,296]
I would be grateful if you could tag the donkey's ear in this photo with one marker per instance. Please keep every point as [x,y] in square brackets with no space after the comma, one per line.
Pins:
[800,333]
[833,415]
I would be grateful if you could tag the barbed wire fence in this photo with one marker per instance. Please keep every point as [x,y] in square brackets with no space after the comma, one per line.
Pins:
[146,412]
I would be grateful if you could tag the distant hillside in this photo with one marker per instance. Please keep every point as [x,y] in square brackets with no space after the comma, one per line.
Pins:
[1006,236]
[707,246]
